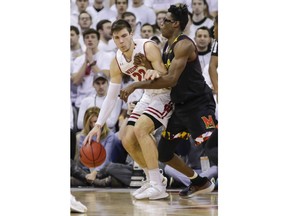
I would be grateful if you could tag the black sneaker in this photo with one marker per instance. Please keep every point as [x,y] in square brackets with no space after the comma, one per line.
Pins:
[193,190]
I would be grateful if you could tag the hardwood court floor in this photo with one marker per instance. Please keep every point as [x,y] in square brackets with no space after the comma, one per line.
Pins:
[116,202]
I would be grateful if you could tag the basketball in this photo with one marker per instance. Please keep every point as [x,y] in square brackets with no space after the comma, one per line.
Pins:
[92,155]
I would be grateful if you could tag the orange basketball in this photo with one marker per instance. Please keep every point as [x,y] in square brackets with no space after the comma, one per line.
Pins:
[92,155]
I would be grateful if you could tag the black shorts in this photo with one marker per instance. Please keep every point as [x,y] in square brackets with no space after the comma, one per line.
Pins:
[194,121]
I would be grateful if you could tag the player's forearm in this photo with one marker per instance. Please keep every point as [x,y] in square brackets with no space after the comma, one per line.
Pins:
[161,82]
[109,103]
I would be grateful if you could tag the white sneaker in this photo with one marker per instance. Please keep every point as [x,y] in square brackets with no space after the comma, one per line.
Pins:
[155,191]
[145,185]
[76,206]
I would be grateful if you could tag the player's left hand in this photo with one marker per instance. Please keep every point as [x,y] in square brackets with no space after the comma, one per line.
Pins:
[125,92]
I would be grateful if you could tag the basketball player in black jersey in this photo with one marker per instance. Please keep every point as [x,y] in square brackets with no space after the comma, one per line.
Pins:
[194,103]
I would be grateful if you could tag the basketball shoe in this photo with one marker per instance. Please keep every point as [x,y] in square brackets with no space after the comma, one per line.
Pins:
[193,190]
[153,192]
[146,184]
[76,206]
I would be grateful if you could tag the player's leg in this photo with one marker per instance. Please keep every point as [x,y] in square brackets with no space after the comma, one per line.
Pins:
[132,146]
[200,125]
[175,135]
[143,130]
[155,115]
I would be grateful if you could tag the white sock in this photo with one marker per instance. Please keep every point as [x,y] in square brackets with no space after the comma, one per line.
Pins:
[146,173]
[155,176]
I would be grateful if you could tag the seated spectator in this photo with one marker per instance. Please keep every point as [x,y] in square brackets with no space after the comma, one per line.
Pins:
[100,83]
[113,146]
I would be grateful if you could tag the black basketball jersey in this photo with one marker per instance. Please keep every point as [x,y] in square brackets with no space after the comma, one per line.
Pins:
[191,85]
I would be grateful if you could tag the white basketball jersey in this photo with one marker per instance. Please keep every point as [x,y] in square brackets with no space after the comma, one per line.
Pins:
[137,73]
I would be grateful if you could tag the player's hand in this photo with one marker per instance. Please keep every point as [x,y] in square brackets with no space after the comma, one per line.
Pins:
[151,74]
[125,92]
[96,130]
[141,60]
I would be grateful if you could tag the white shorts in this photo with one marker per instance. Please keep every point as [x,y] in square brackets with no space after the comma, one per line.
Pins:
[159,106]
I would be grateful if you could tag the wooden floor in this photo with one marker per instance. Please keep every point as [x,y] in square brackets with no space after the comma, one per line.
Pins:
[115,202]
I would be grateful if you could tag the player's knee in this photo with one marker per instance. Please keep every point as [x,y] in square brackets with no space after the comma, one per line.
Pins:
[165,156]
[165,152]
[142,128]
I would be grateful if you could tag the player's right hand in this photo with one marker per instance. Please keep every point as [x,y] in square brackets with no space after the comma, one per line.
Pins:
[96,130]
[151,74]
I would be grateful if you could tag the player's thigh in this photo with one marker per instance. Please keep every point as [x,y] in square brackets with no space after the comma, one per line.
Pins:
[144,125]
[129,139]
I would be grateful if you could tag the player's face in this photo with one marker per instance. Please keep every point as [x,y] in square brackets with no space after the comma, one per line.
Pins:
[123,40]
[166,27]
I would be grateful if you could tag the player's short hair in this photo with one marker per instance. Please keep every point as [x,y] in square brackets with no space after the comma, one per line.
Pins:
[120,24]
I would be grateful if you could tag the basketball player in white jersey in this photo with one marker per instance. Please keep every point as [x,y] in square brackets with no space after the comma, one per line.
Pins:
[152,111]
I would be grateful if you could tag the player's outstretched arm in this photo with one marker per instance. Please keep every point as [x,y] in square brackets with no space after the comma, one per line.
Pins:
[108,103]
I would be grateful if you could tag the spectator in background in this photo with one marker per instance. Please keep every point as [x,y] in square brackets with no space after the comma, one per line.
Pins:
[121,7]
[160,15]
[213,7]
[98,12]
[81,6]
[100,84]
[86,65]
[108,139]
[158,5]
[105,42]
[147,31]
[131,19]
[75,51]
[84,23]
[200,16]
[143,13]
[214,60]
[203,43]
